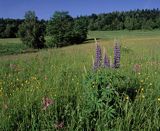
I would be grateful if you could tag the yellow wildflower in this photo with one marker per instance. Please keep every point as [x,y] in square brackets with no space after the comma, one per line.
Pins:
[159,99]
[143,96]
[33,78]
[127,97]
[1,93]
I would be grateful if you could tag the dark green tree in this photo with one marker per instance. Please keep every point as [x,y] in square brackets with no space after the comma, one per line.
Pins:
[63,30]
[9,32]
[128,23]
[60,29]
[9,27]
[31,32]
[158,23]
[148,25]
[80,30]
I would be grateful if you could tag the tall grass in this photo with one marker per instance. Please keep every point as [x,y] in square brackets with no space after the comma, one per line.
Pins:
[59,75]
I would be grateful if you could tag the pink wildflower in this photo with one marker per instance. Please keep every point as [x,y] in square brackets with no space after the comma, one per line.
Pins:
[137,68]
[46,102]
[59,125]
[13,66]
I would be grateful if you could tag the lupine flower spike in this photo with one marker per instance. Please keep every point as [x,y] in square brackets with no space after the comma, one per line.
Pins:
[116,63]
[94,64]
[98,55]
[98,59]
[110,60]
[106,61]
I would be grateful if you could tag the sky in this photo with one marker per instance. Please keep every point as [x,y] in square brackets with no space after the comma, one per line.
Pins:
[44,9]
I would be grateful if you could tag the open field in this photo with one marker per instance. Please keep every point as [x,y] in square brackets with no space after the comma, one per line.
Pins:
[11,46]
[59,74]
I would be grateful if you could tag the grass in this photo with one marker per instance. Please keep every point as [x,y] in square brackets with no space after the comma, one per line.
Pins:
[11,46]
[124,34]
[59,74]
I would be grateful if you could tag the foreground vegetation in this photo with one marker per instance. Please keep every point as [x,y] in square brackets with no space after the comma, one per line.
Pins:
[56,88]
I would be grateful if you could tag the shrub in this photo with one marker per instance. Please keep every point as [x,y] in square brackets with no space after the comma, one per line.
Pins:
[106,91]
[31,32]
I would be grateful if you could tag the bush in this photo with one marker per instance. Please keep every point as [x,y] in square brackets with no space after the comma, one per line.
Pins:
[106,91]
[31,32]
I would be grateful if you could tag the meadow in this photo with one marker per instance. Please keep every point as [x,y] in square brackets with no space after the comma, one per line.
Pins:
[49,89]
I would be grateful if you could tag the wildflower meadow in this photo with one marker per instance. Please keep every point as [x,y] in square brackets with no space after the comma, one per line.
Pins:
[104,84]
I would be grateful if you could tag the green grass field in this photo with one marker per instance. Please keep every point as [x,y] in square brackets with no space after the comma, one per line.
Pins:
[11,46]
[59,74]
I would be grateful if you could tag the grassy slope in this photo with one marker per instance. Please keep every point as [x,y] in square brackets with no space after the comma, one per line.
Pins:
[124,34]
[14,45]
[48,67]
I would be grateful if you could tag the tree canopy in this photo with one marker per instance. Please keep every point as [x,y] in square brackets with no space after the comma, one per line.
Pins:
[31,32]
[130,20]
[64,30]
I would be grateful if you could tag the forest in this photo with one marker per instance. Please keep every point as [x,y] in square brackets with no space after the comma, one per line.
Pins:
[145,19]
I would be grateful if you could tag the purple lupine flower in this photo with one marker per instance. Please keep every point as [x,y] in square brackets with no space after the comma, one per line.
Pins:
[116,63]
[95,66]
[106,61]
[98,59]
[98,55]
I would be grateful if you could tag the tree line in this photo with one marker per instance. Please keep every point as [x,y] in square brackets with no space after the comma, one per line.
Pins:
[9,27]
[131,20]
[62,29]
[146,19]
